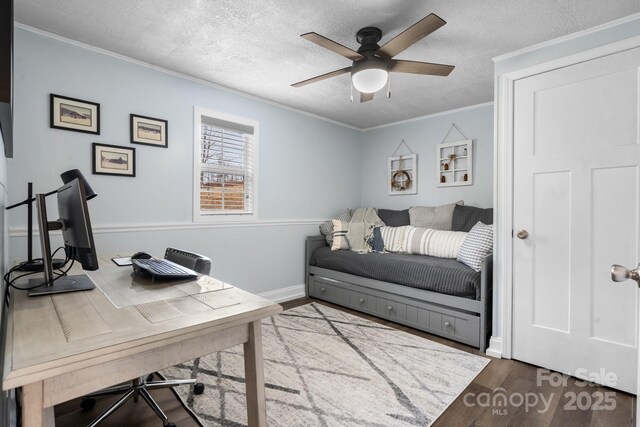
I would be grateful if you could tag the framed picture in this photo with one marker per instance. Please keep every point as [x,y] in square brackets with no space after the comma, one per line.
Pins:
[75,114]
[113,160]
[402,173]
[454,163]
[149,131]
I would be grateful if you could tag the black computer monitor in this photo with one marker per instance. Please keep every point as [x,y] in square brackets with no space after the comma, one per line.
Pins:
[75,224]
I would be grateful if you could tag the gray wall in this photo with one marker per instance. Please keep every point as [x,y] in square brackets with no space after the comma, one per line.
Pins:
[297,156]
[423,136]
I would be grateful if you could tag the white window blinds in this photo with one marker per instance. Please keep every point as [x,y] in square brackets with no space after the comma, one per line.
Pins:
[226,167]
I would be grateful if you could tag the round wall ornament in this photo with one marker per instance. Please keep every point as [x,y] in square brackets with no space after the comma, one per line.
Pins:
[400,180]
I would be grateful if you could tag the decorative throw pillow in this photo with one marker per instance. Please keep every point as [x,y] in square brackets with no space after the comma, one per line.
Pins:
[340,229]
[376,242]
[326,228]
[477,245]
[393,218]
[437,218]
[437,243]
[465,217]
[393,238]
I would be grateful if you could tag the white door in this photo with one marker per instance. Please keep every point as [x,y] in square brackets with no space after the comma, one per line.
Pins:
[576,193]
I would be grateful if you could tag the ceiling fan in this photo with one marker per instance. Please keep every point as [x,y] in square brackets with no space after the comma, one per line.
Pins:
[372,63]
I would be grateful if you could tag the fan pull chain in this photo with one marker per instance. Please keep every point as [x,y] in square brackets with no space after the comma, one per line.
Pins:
[351,92]
[389,87]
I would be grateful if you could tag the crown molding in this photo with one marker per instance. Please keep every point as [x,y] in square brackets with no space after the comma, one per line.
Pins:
[158,68]
[429,116]
[568,37]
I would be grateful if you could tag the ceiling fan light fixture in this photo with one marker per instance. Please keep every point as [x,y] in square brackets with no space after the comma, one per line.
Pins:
[369,76]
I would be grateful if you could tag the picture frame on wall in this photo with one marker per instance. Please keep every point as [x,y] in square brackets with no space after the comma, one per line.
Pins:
[402,175]
[149,131]
[74,114]
[114,160]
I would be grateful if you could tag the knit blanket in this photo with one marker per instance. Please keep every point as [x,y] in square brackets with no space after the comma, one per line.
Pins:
[363,221]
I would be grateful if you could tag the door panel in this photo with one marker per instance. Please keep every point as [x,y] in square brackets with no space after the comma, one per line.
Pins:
[576,191]
[551,254]
[610,217]
[560,127]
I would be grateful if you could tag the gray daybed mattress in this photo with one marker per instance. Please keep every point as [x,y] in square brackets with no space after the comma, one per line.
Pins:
[446,276]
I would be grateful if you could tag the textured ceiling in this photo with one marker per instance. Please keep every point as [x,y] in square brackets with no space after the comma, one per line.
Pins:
[254,46]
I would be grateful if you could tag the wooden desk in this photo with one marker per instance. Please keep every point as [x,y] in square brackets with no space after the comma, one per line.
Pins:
[64,346]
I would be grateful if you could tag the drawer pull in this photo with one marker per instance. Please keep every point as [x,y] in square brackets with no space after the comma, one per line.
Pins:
[389,308]
[361,300]
[447,324]
[322,289]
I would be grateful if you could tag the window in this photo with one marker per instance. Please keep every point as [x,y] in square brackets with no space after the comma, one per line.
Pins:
[225,182]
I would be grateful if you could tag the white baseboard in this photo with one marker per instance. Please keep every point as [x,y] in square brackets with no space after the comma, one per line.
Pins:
[285,294]
[495,347]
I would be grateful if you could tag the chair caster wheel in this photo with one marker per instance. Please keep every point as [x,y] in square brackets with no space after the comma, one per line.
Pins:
[198,388]
[87,403]
[169,425]
[150,377]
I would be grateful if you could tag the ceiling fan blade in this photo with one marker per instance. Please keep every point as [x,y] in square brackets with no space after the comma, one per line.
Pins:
[333,46]
[414,67]
[417,31]
[322,77]
[364,97]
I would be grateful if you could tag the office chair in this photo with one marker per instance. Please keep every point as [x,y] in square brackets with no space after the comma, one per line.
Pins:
[140,386]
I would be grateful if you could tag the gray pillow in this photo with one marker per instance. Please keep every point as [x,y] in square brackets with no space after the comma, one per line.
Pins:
[437,218]
[326,228]
[465,217]
[393,218]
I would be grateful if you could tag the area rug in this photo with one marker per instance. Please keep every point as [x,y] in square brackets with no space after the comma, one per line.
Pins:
[325,367]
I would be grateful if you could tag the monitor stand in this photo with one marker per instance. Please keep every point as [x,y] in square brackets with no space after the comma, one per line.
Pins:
[62,285]
[38,265]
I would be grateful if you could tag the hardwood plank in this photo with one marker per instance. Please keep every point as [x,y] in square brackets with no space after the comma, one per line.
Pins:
[158,311]
[78,317]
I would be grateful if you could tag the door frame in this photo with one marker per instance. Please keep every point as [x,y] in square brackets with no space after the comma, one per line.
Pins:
[501,346]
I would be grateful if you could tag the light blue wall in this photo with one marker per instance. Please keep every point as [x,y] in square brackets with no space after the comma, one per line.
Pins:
[297,156]
[423,136]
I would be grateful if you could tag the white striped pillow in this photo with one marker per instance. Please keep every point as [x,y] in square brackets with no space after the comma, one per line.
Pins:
[339,233]
[437,243]
[393,238]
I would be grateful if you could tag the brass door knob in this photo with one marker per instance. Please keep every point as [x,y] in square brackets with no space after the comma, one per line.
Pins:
[522,234]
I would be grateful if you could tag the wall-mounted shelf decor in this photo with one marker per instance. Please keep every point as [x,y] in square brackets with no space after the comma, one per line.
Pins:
[402,172]
[454,163]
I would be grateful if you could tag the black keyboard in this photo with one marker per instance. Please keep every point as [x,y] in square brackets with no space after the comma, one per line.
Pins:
[161,269]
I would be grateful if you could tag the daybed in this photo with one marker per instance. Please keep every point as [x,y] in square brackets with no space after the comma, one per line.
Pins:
[437,295]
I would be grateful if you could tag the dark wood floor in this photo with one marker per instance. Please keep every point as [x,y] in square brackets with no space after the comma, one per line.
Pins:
[519,381]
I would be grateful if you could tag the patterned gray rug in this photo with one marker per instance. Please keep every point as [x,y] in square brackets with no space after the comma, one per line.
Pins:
[324,367]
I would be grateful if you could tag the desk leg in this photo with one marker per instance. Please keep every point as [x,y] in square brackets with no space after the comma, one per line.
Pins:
[33,413]
[254,374]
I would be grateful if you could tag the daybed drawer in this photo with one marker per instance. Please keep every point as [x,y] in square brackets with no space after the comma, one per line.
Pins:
[391,309]
[362,301]
[328,290]
[462,327]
